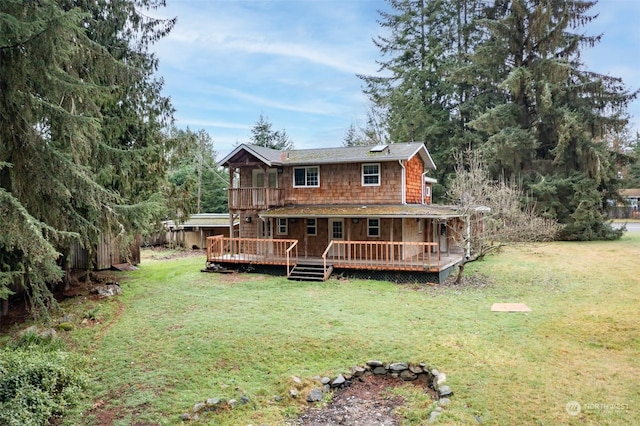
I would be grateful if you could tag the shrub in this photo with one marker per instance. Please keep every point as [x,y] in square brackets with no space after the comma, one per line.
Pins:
[37,384]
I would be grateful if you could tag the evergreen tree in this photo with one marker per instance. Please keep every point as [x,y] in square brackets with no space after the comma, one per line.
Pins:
[263,135]
[632,175]
[195,183]
[422,96]
[73,77]
[550,117]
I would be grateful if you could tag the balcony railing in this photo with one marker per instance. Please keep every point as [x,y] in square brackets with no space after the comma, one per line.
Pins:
[255,198]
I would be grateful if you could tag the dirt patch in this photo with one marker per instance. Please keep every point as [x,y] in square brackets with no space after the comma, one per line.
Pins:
[367,402]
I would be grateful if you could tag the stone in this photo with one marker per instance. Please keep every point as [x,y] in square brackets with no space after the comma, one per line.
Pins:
[296,380]
[408,375]
[232,403]
[199,407]
[29,330]
[416,369]
[293,393]
[358,371]
[444,402]
[65,326]
[325,380]
[434,372]
[433,417]
[398,366]
[185,417]
[339,381]
[315,395]
[213,401]
[445,391]
[327,387]
[107,290]
[277,398]
[49,332]
[379,371]
[441,378]
[244,399]
[374,364]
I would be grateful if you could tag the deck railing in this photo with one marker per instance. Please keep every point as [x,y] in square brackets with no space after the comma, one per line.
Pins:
[255,198]
[253,250]
[383,255]
[376,255]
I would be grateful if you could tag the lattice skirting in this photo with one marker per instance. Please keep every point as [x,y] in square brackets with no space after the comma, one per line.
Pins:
[401,277]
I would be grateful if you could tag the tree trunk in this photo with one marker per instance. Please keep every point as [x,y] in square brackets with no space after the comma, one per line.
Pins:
[460,272]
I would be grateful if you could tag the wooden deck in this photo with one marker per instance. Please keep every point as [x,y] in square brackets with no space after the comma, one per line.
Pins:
[369,255]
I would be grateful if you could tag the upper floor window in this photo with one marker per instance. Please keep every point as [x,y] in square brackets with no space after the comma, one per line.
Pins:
[371,174]
[306,177]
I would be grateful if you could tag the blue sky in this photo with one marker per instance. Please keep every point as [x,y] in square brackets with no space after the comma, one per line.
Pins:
[226,62]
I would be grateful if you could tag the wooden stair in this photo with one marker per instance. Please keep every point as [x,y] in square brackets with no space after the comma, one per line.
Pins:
[309,272]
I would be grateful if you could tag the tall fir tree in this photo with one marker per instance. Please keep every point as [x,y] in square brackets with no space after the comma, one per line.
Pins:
[419,91]
[550,118]
[71,74]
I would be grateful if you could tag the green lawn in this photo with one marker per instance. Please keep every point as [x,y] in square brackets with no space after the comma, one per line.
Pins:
[178,336]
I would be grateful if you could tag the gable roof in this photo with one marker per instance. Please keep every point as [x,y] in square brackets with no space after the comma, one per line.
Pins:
[353,154]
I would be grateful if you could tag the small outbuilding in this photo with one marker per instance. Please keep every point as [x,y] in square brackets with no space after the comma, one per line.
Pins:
[193,232]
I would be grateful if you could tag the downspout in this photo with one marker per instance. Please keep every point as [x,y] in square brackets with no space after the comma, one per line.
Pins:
[422,187]
[404,179]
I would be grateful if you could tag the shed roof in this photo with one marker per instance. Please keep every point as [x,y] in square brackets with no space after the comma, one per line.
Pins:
[353,154]
[630,192]
[203,220]
[360,211]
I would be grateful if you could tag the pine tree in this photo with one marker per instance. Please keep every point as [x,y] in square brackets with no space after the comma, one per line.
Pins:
[550,117]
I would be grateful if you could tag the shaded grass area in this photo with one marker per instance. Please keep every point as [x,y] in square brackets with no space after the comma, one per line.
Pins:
[178,336]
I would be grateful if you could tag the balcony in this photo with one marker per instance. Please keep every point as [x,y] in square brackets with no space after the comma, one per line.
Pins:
[255,198]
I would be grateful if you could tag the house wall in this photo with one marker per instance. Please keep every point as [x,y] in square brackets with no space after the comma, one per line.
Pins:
[198,238]
[414,169]
[315,246]
[342,184]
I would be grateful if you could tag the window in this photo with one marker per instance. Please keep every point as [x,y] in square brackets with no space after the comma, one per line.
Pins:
[306,177]
[373,227]
[312,227]
[283,226]
[419,226]
[371,174]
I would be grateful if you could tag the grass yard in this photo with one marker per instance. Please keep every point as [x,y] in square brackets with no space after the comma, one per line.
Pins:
[178,336]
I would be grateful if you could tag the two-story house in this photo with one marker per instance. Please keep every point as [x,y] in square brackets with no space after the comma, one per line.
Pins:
[359,208]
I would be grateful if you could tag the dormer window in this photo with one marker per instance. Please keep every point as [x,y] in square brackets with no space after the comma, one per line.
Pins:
[371,174]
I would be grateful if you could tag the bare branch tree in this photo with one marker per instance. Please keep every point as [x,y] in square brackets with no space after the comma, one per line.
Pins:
[497,213]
